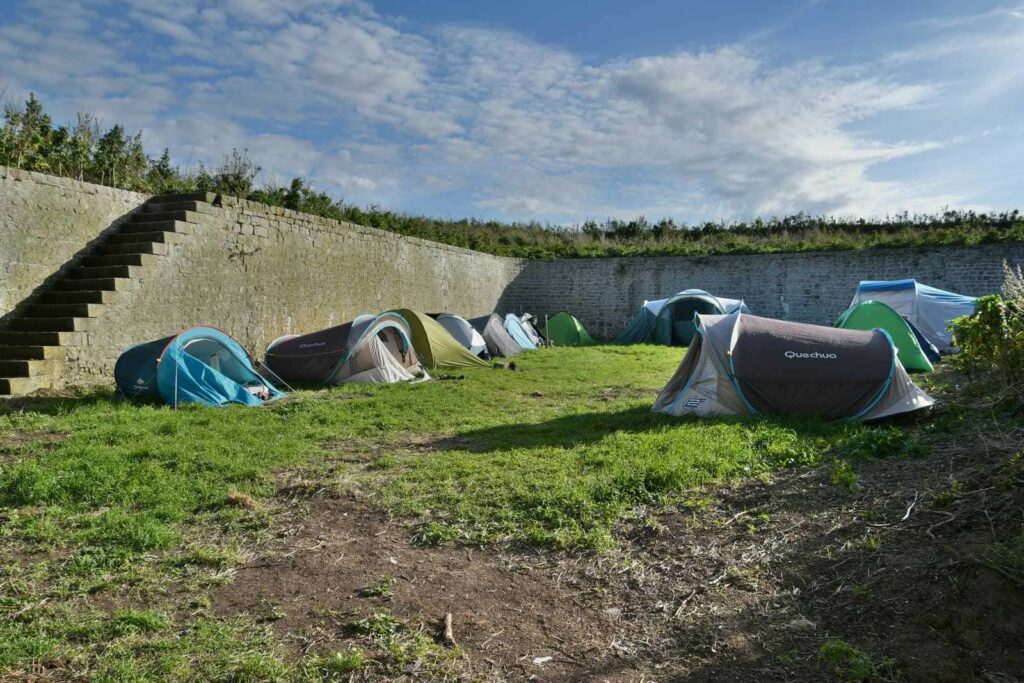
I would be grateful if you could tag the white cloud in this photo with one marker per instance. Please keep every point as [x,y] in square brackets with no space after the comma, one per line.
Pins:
[331,90]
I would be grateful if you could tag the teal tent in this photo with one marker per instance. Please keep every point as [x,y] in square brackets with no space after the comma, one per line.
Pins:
[198,365]
[670,322]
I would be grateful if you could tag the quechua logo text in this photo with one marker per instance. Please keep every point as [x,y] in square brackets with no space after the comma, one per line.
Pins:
[816,355]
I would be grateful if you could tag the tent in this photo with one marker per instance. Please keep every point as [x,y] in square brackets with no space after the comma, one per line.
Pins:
[463,332]
[746,365]
[198,365]
[526,319]
[499,343]
[564,329]
[670,321]
[437,348]
[870,315]
[514,327]
[372,349]
[928,309]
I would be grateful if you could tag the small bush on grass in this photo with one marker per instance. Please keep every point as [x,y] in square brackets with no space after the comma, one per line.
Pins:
[991,340]
[850,665]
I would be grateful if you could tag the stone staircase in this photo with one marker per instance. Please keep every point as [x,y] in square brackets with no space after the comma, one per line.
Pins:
[32,343]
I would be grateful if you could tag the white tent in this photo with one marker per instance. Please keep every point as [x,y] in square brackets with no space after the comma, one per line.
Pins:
[463,332]
[928,309]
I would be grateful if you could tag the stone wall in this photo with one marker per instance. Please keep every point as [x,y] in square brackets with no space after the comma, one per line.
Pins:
[810,287]
[258,272]
[45,221]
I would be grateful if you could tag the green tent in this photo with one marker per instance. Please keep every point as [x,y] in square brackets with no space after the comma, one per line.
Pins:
[436,347]
[565,330]
[870,315]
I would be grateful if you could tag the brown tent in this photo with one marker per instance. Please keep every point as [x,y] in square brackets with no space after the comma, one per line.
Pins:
[369,350]
[742,364]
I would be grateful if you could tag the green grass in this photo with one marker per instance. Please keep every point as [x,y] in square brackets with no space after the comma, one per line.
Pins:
[98,495]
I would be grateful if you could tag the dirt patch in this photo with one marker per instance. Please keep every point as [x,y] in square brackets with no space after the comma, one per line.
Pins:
[507,610]
[747,583]
[15,444]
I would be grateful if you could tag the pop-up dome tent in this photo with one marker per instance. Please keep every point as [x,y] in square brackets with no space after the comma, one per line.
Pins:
[670,322]
[463,332]
[869,315]
[565,330]
[372,349]
[746,365]
[526,320]
[499,343]
[198,365]
[515,329]
[437,348]
[928,309]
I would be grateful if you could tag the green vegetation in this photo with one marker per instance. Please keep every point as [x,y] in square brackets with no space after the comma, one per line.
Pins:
[850,665]
[991,340]
[157,505]
[30,140]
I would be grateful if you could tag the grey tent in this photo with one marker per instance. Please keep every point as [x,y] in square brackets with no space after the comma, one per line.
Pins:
[499,343]
[372,349]
[741,364]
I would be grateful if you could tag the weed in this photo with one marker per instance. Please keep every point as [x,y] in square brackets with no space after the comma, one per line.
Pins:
[953,493]
[850,665]
[887,442]
[381,589]
[842,474]
[1007,559]
[337,666]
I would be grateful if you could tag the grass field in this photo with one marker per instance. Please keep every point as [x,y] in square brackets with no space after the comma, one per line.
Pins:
[120,519]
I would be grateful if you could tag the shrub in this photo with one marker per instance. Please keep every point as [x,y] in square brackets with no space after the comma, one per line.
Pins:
[991,340]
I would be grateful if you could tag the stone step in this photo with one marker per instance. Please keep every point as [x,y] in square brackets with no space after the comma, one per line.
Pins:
[14,338]
[89,296]
[154,235]
[31,353]
[150,218]
[175,226]
[110,284]
[93,272]
[27,368]
[145,260]
[139,247]
[208,197]
[77,310]
[164,207]
[19,386]
[65,324]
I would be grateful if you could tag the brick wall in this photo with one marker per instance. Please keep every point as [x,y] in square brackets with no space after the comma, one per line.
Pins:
[45,221]
[811,287]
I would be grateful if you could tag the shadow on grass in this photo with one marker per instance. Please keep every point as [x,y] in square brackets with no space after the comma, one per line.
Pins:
[59,404]
[564,432]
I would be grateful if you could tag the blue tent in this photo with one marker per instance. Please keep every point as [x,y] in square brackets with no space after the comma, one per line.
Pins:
[670,321]
[928,309]
[198,365]
[514,327]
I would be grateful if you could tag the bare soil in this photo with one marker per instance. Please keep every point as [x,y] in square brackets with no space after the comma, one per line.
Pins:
[736,583]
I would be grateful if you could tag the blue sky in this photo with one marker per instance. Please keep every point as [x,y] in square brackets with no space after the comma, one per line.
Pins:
[557,111]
